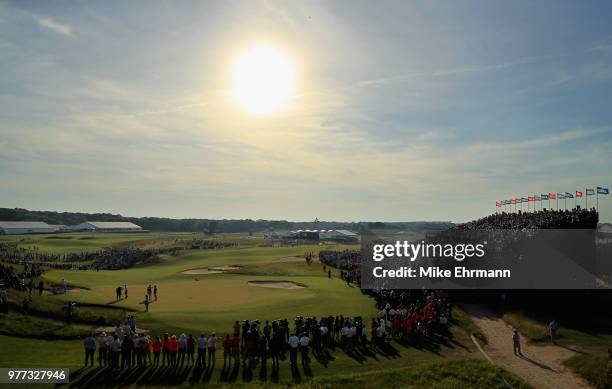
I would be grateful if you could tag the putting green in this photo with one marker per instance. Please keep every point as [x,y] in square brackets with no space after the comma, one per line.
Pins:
[212,302]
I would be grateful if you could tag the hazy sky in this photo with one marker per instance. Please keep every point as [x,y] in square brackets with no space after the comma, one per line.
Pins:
[425,110]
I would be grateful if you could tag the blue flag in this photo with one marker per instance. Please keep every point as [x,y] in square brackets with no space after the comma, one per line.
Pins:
[602,191]
[568,195]
[544,197]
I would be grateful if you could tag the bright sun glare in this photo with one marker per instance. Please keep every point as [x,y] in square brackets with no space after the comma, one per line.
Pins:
[263,80]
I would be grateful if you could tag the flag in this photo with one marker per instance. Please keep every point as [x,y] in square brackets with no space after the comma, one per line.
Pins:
[537,198]
[568,195]
[560,196]
[531,198]
[545,197]
[552,196]
[524,200]
[497,204]
[602,191]
[578,193]
[513,201]
[590,192]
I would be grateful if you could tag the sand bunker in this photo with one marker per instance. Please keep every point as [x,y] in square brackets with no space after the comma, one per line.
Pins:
[277,284]
[59,290]
[202,271]
[77,290]
[210,270]
[225,268]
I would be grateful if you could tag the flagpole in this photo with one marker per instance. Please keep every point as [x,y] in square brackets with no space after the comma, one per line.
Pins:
[575,200]
[565,202]
[597,199]
[586,198]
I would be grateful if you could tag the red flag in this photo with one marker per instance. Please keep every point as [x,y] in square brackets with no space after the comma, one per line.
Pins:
[513,201]
[497,204]
[552,196]
[578,193]
[531,198]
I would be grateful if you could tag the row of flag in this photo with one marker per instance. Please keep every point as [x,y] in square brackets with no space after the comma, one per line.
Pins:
[554,196]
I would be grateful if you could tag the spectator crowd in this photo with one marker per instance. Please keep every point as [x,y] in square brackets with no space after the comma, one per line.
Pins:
[251,342]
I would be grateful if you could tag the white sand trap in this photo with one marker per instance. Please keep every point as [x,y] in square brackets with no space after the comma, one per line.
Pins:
[59,290]
[225,268]
[76,290]
[277,284]
[202,271]
[211,270]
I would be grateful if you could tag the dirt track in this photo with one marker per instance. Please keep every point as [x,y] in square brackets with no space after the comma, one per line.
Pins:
[540,365]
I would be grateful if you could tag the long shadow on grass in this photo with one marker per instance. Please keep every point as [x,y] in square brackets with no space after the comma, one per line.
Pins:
[252,370]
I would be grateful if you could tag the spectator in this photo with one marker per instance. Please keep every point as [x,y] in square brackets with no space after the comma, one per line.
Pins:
[90,349]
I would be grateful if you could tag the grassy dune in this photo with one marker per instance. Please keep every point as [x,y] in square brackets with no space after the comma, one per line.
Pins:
[591,359]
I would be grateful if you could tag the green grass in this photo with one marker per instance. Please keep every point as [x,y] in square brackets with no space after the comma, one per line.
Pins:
[25,352]
[591,368]
[592,342]
[20,325]
[468,373]
[52,307]
[409,369]
[87,242]
[206,303]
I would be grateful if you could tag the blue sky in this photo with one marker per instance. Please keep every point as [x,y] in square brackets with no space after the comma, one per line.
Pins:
[404,110]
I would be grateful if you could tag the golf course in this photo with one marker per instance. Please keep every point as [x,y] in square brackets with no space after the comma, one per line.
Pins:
[207,290]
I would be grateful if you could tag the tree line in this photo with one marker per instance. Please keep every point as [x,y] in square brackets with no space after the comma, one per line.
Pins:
[210,225]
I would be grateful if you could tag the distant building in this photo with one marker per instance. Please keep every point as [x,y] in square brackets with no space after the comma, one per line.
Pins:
[107,227]
[11,228]
[338,236]
[345,236]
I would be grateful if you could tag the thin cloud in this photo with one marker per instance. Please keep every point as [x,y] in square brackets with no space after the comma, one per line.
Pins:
[543,141]
[466,69]
[55,26]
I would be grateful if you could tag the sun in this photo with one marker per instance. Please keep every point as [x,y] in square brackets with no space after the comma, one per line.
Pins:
[263,80]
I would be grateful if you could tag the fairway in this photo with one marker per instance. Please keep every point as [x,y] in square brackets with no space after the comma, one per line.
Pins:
[213,301]
[203,291]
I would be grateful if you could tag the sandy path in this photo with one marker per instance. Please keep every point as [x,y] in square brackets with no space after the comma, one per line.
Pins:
[540,365]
